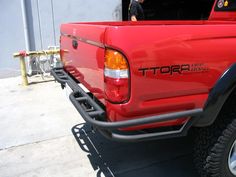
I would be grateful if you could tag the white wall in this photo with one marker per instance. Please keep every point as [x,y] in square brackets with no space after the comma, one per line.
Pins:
[44,18]
[11,34]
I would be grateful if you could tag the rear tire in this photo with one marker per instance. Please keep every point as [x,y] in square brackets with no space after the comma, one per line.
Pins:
[214,154]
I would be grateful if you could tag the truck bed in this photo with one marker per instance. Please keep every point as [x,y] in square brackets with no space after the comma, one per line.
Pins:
[173,64]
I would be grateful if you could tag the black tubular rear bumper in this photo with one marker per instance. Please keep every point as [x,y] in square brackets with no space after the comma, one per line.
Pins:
[95,115]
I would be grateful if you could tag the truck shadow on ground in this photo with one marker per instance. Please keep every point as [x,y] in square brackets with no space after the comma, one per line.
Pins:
[165,158]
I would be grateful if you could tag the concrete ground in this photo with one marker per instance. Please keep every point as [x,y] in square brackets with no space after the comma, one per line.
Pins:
[42,135]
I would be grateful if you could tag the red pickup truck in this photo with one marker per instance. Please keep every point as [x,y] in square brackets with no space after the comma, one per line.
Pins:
[157,79]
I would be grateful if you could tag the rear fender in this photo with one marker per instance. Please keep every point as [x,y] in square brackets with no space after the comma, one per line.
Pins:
[217,97]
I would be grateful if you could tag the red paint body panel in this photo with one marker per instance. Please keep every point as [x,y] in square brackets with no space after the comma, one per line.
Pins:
[86,63]
[209,45]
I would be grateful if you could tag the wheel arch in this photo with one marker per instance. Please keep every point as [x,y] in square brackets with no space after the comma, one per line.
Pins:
[218,96]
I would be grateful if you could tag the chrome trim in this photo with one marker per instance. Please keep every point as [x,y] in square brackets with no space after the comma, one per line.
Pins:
[94,43]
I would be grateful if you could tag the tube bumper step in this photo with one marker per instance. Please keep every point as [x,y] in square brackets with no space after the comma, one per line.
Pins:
[94,114]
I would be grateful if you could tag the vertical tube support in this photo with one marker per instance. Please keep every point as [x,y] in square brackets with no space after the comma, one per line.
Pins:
[23,71]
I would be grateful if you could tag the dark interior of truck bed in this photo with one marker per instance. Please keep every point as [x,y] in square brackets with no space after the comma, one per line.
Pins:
[173,9]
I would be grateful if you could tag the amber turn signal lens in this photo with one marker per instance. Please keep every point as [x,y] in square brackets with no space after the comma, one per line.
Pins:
[116,77]
[115,60]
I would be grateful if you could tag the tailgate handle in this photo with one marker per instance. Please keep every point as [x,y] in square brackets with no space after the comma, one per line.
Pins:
[75,44]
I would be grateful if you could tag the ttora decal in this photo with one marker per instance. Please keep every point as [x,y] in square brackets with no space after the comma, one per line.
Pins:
[174,69]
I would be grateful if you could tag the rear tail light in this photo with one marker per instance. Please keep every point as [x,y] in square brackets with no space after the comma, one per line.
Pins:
[116,77]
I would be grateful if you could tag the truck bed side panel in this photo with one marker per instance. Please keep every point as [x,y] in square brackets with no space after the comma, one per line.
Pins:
[156,55]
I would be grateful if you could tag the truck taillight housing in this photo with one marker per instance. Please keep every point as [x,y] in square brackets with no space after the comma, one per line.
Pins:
[116,77]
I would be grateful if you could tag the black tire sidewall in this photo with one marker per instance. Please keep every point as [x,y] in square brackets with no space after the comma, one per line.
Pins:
[225,155]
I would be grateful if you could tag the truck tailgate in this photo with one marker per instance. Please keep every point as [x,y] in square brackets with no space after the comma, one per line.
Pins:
[83,55]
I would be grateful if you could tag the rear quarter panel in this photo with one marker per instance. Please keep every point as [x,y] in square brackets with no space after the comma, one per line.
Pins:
[205,45]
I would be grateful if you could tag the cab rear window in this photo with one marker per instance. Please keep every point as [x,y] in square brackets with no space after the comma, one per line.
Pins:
[225,5]
[173,9]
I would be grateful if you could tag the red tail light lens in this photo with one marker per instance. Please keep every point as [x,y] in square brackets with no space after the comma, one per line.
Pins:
[116,77]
